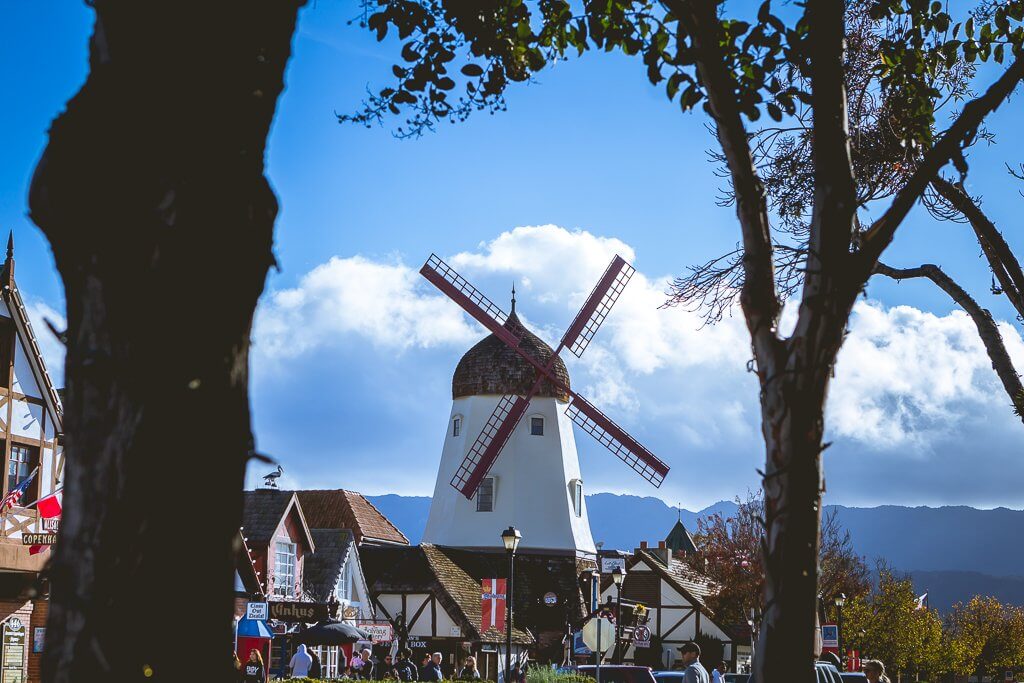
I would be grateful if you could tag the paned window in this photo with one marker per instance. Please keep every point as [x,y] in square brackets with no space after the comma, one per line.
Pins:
[456,426]
[537,426]
[24,459]
[284,569]
[577,498]
[485,495]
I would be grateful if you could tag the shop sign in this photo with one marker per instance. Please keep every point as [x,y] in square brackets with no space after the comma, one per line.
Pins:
[455,631]
[380,632]
[50,524]
[38,638]
[608,564]
[417,645]
[13,651]
[38,539]
[257,611]
[641,637]
[306,612]
[550,599]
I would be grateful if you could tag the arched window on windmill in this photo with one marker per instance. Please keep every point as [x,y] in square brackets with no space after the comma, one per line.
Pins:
[457,425]
[536,425]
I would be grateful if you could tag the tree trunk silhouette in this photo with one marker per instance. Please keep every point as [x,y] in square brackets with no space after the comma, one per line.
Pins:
[152,195]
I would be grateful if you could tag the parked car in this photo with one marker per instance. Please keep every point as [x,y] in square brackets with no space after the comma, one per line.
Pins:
[620,673]
[737,678]
[853,677]
[667,676]
[827,672]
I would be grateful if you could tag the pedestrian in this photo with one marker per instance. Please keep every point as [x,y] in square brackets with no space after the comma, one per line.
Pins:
[874,670]
[253,672]
[387,669]
[718,672]
[347,673]
[432,671]
[300,663]
[469,671]
[693,671]
[315,670]
[424,663]
[406,670]
[369,670]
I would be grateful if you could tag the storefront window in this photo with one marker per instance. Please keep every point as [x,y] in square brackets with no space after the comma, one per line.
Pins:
[284,569]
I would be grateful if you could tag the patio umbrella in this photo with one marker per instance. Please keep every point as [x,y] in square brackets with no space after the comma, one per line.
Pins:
[331,633]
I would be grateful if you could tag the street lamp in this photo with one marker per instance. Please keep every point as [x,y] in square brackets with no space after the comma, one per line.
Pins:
[618,576]
[510,537]
[840,601]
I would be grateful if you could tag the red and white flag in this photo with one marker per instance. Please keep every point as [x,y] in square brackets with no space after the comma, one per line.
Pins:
[49,507]
[492,605]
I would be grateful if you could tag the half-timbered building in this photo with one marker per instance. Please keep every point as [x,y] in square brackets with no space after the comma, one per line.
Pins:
[674,593]
[30,434]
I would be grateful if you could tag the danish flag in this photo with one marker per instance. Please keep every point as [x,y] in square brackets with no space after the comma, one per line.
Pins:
[492,605]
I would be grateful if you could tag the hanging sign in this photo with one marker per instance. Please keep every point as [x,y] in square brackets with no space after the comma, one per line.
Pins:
[550,599]
[492,605]
[13,651]
[830,637]
[306,612]
[608,564]
[50,524]
[380,631]
[38,539]
[257,611]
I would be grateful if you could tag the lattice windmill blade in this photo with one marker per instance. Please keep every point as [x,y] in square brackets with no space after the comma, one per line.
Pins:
[488,445]
[458,288]
[614,438]
[597,306]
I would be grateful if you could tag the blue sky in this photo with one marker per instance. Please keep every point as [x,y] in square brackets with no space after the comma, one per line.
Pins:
[353,355]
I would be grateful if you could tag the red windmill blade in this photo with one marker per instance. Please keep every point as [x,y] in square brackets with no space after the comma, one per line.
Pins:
[510,409]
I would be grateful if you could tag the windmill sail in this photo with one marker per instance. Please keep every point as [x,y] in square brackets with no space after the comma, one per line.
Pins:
[488,445]
[444,277]
[597,306]
[614,438]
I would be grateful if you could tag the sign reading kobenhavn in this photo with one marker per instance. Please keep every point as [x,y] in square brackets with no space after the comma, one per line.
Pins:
[306,612]
[38,539]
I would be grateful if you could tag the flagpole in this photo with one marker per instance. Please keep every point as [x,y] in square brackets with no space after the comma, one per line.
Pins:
[36,501]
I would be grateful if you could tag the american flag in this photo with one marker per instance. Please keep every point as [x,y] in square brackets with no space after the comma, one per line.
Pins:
[13,497]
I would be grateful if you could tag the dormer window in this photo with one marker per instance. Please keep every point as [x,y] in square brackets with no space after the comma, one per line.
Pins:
[537,426]
[485,495]
[285,556]
[456,426]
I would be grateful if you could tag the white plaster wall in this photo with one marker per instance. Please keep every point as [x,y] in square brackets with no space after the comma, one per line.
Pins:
[23,381]
[532,484]
[26,419]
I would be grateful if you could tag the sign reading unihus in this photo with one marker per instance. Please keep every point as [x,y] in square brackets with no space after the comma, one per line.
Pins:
[307,612]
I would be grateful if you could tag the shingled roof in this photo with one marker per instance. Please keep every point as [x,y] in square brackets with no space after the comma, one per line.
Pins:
[679,539]
[491,367]
[341,509]
[323,568]
[681,576]
[455,577]
[263,511]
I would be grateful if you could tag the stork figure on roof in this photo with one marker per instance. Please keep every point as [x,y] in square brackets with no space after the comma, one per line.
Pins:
[270,480]
[509,376]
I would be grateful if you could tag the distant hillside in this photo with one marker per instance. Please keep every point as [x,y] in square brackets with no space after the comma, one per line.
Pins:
[954,552]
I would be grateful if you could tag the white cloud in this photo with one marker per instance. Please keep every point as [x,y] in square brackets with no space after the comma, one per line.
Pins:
[905,377]
[386,304]
[49,346]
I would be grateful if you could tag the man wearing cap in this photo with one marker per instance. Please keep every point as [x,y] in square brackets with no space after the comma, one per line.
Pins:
[693,672]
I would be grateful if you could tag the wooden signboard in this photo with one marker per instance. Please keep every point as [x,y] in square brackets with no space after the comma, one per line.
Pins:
[305,612]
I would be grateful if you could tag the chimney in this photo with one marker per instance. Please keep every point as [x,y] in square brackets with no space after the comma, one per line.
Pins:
[643,545]
[662,553]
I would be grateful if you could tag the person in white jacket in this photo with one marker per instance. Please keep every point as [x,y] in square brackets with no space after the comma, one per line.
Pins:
[301,661]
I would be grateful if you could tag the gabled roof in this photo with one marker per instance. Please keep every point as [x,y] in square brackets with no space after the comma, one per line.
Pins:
[679,539]
[263,512]
[244,566]
[324,567]
[454,577]
[341,509]
[690,583]
[12,298]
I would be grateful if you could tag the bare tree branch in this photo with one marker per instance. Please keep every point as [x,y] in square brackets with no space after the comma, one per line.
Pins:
[987,328]
[880,235]
[1001,258]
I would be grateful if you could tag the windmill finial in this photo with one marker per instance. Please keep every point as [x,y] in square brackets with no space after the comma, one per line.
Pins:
[10,245]
[679,511]
[513,297]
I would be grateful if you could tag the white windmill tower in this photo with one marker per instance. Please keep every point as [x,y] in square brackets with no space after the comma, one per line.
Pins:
[511,396]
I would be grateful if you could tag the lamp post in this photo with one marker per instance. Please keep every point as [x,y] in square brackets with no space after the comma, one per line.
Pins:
[510,537]
[840,601]
[618,576]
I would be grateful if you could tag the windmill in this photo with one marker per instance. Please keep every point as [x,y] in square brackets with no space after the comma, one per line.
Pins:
[510,409]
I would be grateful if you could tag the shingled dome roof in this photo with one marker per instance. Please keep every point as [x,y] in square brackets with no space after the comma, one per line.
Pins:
[492,368]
